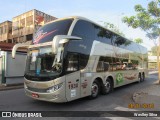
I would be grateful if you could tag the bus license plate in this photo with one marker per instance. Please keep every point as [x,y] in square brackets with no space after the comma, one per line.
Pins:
[35,95]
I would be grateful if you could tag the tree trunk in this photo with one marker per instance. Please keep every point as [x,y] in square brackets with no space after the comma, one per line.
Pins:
[158,59]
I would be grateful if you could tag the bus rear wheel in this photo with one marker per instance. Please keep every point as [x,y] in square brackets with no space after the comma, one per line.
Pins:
[140,77]
[95,90]
[108,86]
[143,76]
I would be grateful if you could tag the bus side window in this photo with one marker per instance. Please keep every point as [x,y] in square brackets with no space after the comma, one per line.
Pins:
[72,62]
[106,66]
[100,66]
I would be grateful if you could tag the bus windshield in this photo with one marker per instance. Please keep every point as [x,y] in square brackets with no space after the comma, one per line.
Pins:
[40,64]
[48,31]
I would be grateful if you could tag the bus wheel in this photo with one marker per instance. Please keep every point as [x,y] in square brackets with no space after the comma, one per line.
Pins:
[94,89]
[107,87]
[139,77]
[143,76]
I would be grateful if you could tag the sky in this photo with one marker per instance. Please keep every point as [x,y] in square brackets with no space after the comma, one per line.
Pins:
[99,11]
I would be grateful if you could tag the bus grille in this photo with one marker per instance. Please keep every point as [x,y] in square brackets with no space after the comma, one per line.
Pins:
[37,90]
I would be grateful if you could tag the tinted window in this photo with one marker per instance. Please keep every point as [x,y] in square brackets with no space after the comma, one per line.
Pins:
[119,41]
[104,64]
[116,64]
[48,31]
[72,62]
[83,29]
[83,60]
[103,35]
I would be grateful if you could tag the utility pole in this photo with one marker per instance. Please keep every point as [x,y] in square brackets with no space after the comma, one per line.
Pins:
[158,59]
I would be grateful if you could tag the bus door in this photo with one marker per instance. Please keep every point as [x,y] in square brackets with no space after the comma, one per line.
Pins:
[73,77]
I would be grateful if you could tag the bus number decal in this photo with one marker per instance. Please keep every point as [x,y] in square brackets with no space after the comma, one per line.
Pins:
[119,78]
[72,86]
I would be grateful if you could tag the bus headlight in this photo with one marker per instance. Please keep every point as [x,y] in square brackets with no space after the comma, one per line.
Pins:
[55,87]
[25,86]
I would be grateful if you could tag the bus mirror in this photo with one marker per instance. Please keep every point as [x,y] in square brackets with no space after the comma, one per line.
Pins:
[15,47]
[61,39]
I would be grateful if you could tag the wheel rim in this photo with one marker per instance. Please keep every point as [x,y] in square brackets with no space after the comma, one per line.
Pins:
[108,86]
[139,78]
[143,77]
[94,89]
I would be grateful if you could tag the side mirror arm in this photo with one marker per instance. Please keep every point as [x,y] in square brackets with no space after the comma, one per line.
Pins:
[61,39]
[15,47]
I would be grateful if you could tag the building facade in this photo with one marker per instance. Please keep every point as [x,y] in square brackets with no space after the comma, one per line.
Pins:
[6,32]
[25,25]
[152,61]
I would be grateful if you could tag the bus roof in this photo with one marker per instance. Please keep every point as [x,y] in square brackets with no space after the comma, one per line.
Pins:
[83,18]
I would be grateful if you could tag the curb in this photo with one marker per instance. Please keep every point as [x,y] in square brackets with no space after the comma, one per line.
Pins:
[11,86]
[139,96]
[152,72]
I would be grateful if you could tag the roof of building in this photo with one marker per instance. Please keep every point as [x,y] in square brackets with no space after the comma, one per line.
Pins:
[9,46]
[30,11]
[6,21]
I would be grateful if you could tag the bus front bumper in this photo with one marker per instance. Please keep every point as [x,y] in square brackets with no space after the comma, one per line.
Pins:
[51,91]
[50,97]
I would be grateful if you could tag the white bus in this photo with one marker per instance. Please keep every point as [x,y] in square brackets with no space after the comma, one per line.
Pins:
[73,57]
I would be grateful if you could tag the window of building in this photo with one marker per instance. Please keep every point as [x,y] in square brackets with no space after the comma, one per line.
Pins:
[5,29]
[15,25]
[1,30]
[9,41]
[29,37]
[22,23]
[29,20]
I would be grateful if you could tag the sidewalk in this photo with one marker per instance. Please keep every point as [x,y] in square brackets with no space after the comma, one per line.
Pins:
[11,86]
[149,95]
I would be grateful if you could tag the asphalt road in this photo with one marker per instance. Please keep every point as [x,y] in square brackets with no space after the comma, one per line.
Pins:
[118,100]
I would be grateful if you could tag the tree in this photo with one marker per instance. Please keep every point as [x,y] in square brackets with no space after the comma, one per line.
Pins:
[138,40]
[147,19]
[113,28]
[154,50]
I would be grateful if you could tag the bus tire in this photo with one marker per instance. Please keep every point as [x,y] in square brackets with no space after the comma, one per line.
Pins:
[143,76]
[140,77]
[108,87]
[95,88]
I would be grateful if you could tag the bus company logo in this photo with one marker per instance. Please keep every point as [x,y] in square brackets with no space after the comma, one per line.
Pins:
[84,85]
[6,114]
[40,35]
[131,76]
[119,78]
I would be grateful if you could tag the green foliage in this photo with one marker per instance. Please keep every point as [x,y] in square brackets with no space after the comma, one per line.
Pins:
[113,28]
[154,50]
[148,19]
[138,40]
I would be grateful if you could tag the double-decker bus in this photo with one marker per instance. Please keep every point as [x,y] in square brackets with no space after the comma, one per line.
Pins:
[73,57]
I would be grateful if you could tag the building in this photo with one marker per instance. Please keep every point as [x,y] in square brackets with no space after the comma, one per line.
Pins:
[6,32]
[8,74]
[25,25]
[152,61]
